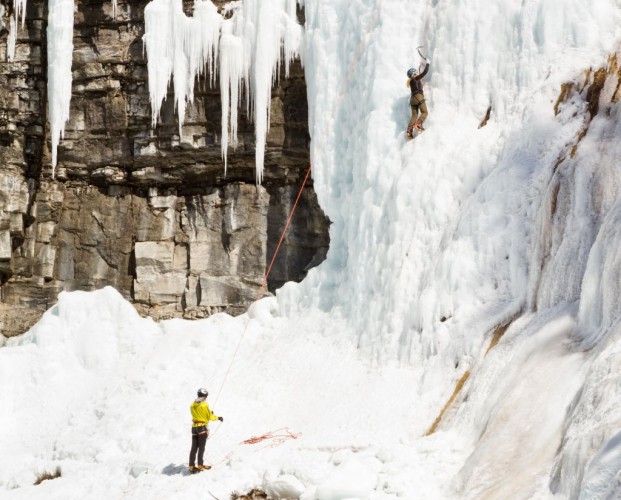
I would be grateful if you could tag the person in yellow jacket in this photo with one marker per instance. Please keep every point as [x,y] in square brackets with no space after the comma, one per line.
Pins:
[201,416]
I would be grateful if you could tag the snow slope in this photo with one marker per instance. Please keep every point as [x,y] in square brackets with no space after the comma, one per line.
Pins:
[435,244]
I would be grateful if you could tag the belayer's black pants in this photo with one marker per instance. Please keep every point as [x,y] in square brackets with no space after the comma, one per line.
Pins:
[198,445]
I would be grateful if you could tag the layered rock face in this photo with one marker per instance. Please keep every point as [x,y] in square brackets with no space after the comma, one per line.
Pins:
[148,211]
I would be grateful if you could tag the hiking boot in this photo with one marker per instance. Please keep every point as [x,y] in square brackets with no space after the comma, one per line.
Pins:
[192,469]
[204,467]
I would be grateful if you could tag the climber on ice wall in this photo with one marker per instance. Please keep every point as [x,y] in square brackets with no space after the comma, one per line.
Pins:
[417,99]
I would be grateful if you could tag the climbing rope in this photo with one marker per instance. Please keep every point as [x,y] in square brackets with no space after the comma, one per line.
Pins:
[267,274]
[277,437]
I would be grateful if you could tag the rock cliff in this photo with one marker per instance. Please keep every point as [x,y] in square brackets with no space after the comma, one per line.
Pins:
[148,211]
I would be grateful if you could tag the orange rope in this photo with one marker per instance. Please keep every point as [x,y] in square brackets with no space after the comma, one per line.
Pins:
[277,439]
[264,284]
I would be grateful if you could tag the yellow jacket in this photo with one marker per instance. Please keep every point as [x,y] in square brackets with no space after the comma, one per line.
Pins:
[201,414]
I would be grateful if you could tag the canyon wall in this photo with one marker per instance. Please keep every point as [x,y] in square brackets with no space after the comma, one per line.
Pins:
[147,210]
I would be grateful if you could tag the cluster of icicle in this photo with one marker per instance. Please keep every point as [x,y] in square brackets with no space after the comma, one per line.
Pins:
[246,51]
[19,14]
[59,57]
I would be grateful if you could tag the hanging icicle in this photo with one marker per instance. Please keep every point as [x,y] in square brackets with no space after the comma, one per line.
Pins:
[252,45]
[231,67]
[180,47]
[59,57]
[19,7]
[11,40]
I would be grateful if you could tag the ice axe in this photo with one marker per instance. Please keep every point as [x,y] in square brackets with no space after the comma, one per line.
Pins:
[421,56]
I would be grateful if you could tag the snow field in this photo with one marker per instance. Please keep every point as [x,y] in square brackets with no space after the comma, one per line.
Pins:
[107,394]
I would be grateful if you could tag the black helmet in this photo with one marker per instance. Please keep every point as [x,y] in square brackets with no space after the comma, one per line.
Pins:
[202,393]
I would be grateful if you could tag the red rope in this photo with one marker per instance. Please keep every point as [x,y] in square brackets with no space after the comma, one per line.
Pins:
[264,284]
[282,236]
[277,439]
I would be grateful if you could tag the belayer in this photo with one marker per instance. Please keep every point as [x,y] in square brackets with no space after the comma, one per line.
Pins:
[417,99]
[201,416]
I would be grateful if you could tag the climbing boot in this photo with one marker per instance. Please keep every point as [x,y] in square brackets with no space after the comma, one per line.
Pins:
[204,467]
[419,127]
[192,469]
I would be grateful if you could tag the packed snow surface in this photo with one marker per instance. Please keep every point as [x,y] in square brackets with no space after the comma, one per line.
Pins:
[435,244]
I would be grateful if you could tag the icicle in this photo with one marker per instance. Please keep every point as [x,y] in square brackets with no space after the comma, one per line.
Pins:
[11,40]
[19,14]
[114,6]
[231,65]
[260,36]
[270,28]
[157,40]
[293,37]
[59,56]
[19,6]
[180,46]
[206,29]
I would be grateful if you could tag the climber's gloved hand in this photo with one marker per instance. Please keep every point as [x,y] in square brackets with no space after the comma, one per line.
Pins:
[220,419]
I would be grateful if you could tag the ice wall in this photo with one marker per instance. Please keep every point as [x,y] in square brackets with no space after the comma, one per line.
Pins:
[430,240]
[437,241]
[258,39]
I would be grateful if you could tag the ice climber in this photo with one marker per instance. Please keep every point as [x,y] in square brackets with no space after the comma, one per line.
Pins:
[201,416]
[417,99]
